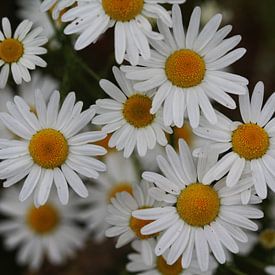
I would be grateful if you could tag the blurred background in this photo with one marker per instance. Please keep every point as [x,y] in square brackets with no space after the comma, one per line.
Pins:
[254,20]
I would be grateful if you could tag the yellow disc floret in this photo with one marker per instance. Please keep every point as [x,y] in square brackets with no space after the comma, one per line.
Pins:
[49,148]
[120,187]
[11,50]
[198,204]
[123,10]
[250,141]
[165,269]
[267,238]
[136,111]
[184,132]
[43,220]
[185,68]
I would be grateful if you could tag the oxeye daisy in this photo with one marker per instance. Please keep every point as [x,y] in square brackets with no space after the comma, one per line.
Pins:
[19,53]
[106,187]
[50,149]
[159,265]
[247,144]
[91,18]
[203,218]
[187,69]
[49,231]
[127,115]
[124,225]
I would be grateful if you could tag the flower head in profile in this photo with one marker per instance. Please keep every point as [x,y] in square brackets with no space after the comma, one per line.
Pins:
[20,52]
[188,69]
[247,145]
[50,149]
[91,18]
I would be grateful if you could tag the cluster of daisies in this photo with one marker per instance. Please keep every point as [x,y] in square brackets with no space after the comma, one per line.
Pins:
[203,175]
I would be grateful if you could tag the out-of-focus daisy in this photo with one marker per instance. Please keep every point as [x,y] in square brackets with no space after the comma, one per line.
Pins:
[267,238]
[205,218]
[188,68]
[48,231]
[50,149]
[270,269]
[19,53]
[121,175]
[91,18]
[250,143]
[124,225]
[128,116]
[159,265]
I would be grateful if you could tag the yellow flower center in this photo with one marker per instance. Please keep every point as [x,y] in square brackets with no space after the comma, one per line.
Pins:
[267,238]
[43,220]
[185,68]
[11,50]
[136,111]
[198,204]
[185,133]
[166,269]
[48,148]
[123,10]
[250,141]
[121,187]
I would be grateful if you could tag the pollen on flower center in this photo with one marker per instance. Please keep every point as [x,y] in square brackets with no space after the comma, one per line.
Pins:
[185,68]
[44,219]
[136,111]
[198,204]
[11,50]
[184,132]
[250,141]
[121,187]
[123,10]
[165,269]
[48,148]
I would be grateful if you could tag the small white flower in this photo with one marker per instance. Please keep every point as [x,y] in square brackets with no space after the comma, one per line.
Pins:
[19,53]
[248,144]
[49,231]
[50,149]
[91,18]
[127,115]
[187,69]
[204,218]
[270,269]
[159,265]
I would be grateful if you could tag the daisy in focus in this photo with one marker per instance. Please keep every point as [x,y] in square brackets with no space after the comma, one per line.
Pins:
[49,231]
[202,218]
[127,115]
[19,53]
[187,69]
[246,144]
[50,149]
[92,18]
[159,265]
[121,177]
[126,227]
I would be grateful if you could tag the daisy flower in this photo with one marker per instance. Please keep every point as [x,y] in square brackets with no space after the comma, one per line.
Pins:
[50,149]
[19,53]
[124,225]
[91,18]
[187,69]
[105,188]
[270,269]
[203,218]
[159,265]
[250,143]
[49,231]
[127,115]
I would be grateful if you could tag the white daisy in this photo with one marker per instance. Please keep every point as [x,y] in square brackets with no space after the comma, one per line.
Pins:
[204,218]
[270,269]
[250,143]
[127,116]
[49,231]
[91,18]
[188,69]
[120,177]
[19,53]
[124,225]
[50,149]
[159,265]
